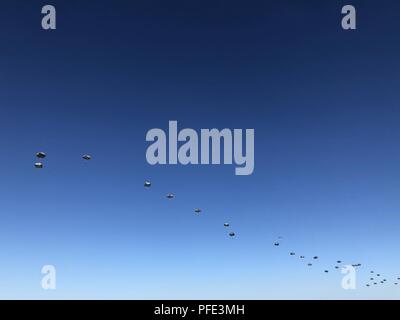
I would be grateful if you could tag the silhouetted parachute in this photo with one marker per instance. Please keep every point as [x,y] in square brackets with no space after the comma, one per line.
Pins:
[147,184]
[326,271]
[309,264]
[41,155]
[226,225]
[38,165]
[232,234]
[375,283]
[315,258]
[378,275]
[302,257]
[396,283]
[170,196]
[276,244]
[197,210]
[292,254]
[372,272]
[336,267]
[87,157]
[367,285]
[371,279]
[339,261]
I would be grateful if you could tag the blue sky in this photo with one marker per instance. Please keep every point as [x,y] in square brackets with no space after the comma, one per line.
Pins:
[324,106]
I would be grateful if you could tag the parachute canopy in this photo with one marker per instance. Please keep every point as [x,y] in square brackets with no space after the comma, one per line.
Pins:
[147,184]
[38,165]
[86,157]
[41,155]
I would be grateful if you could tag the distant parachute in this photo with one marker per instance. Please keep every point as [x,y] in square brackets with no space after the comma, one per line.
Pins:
[170,196]
[326,271]
[226,225]
[197,210]
[309,264]
[302,257]
[41,155]
[39,164]
[315,258]
[232,234]
[147,184]
[86,157]
[292,254]
[276,244]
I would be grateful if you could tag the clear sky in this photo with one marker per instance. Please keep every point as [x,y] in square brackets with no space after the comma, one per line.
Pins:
[324,104]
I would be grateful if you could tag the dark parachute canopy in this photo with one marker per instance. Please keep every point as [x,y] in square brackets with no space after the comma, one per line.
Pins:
[87,157]
[41,155]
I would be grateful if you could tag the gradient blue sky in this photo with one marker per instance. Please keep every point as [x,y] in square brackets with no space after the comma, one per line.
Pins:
[325,107]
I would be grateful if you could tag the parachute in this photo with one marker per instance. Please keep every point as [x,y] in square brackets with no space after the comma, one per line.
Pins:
[41,155]
[197,210]
[170,196]
[147,184]
[86,157]
[226,225]
[39,164]
[232,234]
